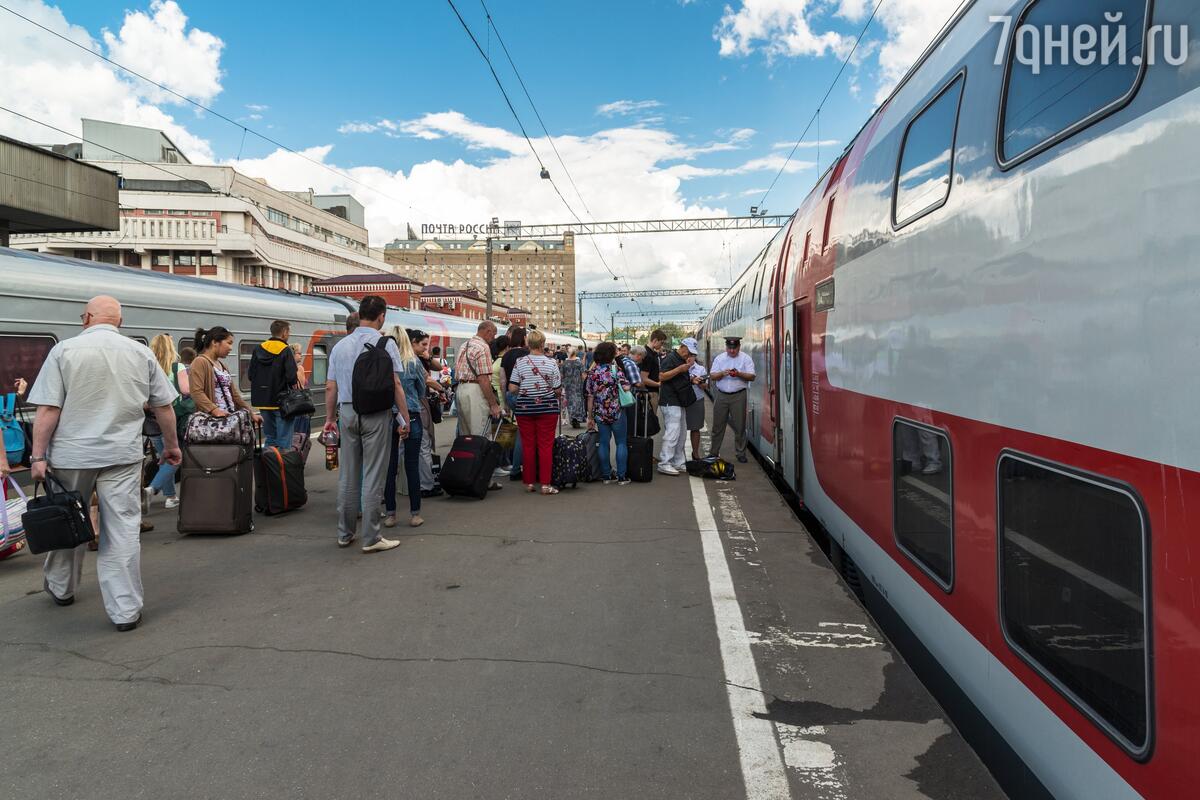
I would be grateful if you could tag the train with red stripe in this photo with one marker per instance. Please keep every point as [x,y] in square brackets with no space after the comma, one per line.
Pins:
[977,363]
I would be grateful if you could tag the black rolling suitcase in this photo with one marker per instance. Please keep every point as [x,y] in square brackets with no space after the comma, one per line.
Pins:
[216,488]
[468,469]
[569,464]
[641,449]
[279,481]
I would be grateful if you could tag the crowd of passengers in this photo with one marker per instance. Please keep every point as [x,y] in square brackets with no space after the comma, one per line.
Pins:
[100,396]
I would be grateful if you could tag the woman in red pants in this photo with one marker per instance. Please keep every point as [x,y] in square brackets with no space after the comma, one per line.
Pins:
[537,384]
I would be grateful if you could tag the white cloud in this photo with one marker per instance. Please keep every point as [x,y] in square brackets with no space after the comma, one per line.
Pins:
[911,26]
[160,46]
[50,80]
[777,28]
[256,107]
[623,173]
[787,28]
[626,107]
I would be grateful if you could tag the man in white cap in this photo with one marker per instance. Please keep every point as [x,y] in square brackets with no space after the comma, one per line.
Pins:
[675,394]
[732,370]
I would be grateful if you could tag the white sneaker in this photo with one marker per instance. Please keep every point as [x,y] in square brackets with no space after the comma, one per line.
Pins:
[381,545]
[667,469]
[171,502]
[933,468]
[500,472]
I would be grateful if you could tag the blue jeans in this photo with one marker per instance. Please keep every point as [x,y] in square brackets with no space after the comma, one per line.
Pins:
[412,467]
[618,431]
[164,479]
[277,431]
[517,453]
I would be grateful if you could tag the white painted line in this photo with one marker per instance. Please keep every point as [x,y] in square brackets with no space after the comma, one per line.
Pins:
[763,773]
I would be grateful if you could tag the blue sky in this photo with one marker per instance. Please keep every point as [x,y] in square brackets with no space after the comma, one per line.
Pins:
[396,94]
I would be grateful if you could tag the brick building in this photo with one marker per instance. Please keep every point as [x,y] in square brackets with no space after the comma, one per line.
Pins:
[456,302]
[397,290]
[533,274]
[518,316]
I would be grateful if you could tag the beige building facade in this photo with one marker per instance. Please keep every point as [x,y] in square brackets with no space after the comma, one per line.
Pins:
[212,221]
[537,275]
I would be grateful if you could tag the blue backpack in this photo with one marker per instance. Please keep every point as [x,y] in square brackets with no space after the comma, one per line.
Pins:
[14,434]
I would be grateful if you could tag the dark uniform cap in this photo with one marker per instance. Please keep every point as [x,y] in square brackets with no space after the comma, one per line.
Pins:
[733,341]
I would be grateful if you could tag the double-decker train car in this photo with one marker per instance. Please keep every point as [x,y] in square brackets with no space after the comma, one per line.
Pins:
[975,344]
[41,297]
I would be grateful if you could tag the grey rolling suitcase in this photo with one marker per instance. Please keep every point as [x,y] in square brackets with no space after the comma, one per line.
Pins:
[216,489]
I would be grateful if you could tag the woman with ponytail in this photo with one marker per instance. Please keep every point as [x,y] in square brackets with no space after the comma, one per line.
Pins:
[214,390]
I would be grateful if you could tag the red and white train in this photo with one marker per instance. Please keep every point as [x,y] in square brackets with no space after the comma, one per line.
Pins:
[978,364]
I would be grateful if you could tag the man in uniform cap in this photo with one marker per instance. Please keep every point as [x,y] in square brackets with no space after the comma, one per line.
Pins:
[732,372]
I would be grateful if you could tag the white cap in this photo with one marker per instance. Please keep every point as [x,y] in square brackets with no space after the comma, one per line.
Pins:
[692,346]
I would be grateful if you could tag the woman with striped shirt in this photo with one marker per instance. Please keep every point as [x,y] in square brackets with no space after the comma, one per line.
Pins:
[537,384]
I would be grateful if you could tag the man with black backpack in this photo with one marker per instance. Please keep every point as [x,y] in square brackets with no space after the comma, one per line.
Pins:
[272,372]
[362,393]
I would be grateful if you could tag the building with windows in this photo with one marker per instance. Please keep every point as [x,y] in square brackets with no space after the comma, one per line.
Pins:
[397,290]
[211,221]
[464,303]
[536,275]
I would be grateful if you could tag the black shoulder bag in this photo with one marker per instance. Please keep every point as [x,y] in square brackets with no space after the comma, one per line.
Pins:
[58,520]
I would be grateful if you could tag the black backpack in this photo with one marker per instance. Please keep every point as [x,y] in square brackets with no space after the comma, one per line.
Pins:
[372,386]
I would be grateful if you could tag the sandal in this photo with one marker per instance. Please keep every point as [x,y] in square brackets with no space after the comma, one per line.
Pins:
[529,487]
[549,490]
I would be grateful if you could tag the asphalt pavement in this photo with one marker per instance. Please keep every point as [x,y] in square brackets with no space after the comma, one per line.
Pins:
[523,646]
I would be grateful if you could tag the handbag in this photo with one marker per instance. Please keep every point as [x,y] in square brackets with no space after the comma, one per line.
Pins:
[184,405]
[296,403]
[624,394]
[235,428]
[506,435]
[10,516]
[58,520]
[10,426]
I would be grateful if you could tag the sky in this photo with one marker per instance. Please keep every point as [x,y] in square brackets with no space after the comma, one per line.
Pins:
[657,108]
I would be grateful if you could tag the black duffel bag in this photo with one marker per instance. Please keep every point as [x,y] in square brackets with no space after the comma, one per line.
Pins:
[296,403]
[58,520]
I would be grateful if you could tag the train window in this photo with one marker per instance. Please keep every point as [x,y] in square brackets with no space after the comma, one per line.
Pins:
[1074,590]
[923,499]
[926,164]
[823,300]
[22,356]
[187,341]
[1047,100]
[807,248]
[245,354]
[320,365]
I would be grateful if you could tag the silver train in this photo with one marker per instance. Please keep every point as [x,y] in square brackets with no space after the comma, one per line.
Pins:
[42,296]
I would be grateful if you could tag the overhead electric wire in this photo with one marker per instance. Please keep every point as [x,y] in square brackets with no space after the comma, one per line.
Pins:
[512,109]
[820,105]
[218,114]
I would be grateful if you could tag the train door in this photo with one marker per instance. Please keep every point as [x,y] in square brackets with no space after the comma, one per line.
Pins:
[795,354]
[785,392]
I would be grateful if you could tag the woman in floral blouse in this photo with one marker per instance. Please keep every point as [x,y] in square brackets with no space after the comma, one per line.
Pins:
[605,385]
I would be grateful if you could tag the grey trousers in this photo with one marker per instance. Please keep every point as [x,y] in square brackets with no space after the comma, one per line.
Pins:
[426,458]
[363,466]
[119,559]
[729,409]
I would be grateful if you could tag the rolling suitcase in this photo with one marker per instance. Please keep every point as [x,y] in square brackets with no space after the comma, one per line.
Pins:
[641,452]
[591,443]
[569,463]
[279,481]
[468,468]
[216,489]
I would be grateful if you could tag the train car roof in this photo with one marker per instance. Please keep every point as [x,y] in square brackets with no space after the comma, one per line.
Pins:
[26,274]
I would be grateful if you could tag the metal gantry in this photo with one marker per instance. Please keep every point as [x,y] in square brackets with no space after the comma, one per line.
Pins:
[652,226]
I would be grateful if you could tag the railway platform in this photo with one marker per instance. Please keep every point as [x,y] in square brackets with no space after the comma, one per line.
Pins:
[679,639]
